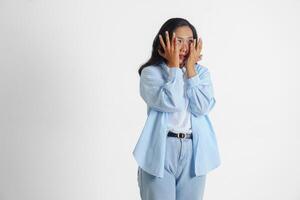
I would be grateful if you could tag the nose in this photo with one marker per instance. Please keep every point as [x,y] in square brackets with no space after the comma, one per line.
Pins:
[184,47]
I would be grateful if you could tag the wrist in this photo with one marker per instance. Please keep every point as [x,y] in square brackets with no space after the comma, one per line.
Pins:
[172,64]
[190,65]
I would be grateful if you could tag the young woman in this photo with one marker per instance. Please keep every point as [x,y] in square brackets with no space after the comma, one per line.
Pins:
[177,146]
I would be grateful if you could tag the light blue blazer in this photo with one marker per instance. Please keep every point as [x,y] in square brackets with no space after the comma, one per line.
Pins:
[163,93]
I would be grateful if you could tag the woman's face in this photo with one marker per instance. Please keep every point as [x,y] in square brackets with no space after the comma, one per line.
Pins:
[184,36]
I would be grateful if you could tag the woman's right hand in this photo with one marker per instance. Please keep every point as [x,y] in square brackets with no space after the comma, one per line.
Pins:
[171,50]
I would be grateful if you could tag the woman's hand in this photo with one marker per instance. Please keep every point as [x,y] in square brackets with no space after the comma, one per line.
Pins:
[171,50]
[195,53]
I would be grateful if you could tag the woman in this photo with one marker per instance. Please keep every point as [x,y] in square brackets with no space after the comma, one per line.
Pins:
[177,146]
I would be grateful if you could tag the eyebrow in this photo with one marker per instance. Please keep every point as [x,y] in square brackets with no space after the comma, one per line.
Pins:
[186,37]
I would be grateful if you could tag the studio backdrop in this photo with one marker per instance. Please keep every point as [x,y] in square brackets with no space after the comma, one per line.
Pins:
[71,112]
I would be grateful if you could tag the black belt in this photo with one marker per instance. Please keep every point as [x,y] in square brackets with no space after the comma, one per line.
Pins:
[180,135]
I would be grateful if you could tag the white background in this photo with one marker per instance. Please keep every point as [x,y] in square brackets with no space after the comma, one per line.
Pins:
[71,114]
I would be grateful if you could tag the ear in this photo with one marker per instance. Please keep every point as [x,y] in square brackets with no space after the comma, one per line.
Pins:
[160,53]
[161,49]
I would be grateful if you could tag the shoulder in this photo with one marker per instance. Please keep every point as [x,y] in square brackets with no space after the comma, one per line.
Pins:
[152,71]
[201,69]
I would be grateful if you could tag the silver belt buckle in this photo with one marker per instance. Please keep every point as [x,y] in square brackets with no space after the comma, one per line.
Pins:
[181,135]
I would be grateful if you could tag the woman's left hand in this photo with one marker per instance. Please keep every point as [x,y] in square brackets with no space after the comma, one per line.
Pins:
[195,52]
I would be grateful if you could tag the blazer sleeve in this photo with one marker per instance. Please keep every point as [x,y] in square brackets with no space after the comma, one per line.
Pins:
[162,94]
[200,92]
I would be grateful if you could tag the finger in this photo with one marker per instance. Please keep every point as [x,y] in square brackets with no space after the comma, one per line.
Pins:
[167,39]
[176,44]
[194,42]
[199,44]
[192,45]
[162,42]
[173,41]
[177,48]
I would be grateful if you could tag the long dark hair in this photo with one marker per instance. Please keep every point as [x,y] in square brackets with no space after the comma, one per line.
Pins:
[170,25]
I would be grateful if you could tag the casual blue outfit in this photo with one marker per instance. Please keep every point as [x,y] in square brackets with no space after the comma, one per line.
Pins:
[161,162]
[178,181]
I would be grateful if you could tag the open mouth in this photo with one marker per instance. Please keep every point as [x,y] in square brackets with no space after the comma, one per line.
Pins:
[182,57]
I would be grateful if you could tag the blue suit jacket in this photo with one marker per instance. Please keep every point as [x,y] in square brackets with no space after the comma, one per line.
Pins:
[163,92]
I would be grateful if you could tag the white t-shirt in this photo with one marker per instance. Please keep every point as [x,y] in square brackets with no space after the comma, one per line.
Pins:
[180,122]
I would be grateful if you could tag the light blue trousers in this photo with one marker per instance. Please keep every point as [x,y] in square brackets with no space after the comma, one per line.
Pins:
[178,182]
